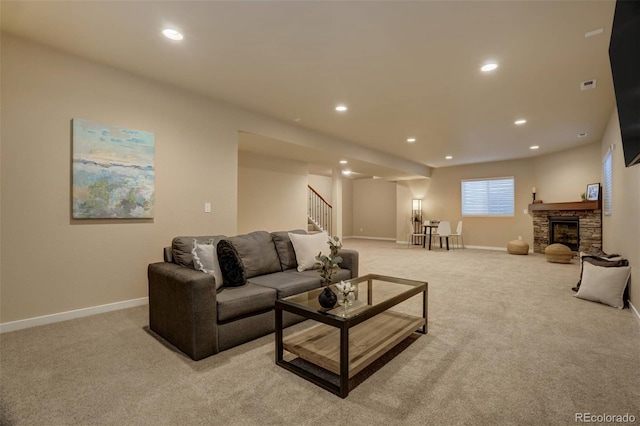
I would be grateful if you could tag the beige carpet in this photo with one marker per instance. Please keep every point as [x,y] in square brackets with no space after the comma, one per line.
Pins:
[507,344]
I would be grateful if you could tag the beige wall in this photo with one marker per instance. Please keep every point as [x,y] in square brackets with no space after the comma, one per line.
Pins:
[322,185]
[564,175]
[404,198]
[443,202]
[406,192]
[272,193]
[51,264]
[557,177]
[347,207]
[374,208]
[621,230]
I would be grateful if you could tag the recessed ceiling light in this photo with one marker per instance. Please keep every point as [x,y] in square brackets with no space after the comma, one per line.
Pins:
[520,122]
[297,119]
[411,140]
[490,66]
[346,172]
[341,108]
[534,147]
[582,135]
[448,157]
[172,34]
[343,161]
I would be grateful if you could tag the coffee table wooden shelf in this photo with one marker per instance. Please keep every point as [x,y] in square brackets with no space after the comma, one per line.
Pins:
[347,340]
[367,341]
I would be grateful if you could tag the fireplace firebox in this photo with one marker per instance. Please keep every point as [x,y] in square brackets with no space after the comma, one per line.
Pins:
[565,230]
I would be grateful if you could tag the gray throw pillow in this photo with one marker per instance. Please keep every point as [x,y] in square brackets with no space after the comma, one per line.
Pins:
[285,249]
[181,248]
[205,259]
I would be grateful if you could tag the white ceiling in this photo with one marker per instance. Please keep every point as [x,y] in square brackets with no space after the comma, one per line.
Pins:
[403,68]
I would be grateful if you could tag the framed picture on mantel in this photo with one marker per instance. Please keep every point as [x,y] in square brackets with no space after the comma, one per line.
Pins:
[593,191]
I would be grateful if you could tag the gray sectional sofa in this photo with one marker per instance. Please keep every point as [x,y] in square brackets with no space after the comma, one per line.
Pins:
[187,310]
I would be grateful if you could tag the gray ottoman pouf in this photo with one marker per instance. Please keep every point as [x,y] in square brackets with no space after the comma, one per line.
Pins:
[558,253]
[517,247]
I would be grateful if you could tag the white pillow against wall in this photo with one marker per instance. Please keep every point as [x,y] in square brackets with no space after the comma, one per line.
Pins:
[205,259]
[307,248]
[604,285]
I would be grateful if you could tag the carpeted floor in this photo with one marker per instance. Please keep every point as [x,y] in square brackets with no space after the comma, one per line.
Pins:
[507,344]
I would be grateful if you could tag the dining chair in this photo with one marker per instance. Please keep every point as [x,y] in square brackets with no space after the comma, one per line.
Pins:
[444,231]
[458,234]
[411,233]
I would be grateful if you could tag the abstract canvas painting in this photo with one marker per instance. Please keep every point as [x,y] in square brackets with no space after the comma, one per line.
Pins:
[113,172]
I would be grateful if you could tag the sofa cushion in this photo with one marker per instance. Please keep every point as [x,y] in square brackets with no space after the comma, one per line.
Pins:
[234,302]
[232,268]
[288,284]
[307,247]
[205,259]
[181,248]
[257,252]
[341,274]
[285,249]
[604,285]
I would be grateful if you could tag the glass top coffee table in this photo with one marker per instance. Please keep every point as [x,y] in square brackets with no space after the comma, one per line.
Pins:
[348,339]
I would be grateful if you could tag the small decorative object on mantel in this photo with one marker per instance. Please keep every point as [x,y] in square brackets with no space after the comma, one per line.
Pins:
[329,265]
[583,196]
[533,190]
[537,201]
[593,191]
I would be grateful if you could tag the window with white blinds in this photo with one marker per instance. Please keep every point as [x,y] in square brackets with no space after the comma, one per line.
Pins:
[607,169]
[488,197]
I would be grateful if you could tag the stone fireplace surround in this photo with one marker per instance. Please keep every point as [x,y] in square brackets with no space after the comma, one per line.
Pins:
[590,218]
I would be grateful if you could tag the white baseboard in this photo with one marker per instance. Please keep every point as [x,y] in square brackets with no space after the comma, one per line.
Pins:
[486,248]
[373,238]
[64,316]
[634,311]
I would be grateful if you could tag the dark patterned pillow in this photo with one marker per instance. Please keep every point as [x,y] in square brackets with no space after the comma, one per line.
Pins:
[231,266]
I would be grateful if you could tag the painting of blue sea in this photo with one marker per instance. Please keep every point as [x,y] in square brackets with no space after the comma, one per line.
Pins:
[113,172]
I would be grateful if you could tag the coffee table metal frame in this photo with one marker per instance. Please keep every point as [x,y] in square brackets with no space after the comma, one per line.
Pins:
[344,324]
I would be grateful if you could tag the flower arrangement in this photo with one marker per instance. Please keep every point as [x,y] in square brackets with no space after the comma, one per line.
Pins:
[347,291]
[330,264]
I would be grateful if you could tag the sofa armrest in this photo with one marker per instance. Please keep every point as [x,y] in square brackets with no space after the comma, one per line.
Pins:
[349,261]
[182,308]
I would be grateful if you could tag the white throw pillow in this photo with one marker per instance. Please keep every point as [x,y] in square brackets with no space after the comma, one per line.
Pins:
[307,248]
[205,259]
[604,285]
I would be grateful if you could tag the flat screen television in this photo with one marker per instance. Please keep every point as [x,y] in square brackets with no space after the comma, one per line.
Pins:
[624,55]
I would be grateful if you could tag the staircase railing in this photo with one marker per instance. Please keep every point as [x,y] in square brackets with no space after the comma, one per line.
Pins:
[319,210]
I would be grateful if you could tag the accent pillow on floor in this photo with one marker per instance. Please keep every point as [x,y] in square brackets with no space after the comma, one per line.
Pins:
[307,248]
[614,262]
[233,272]
[205,259]
[604,285]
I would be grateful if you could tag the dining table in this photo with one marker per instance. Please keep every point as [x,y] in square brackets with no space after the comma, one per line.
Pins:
[431,227]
